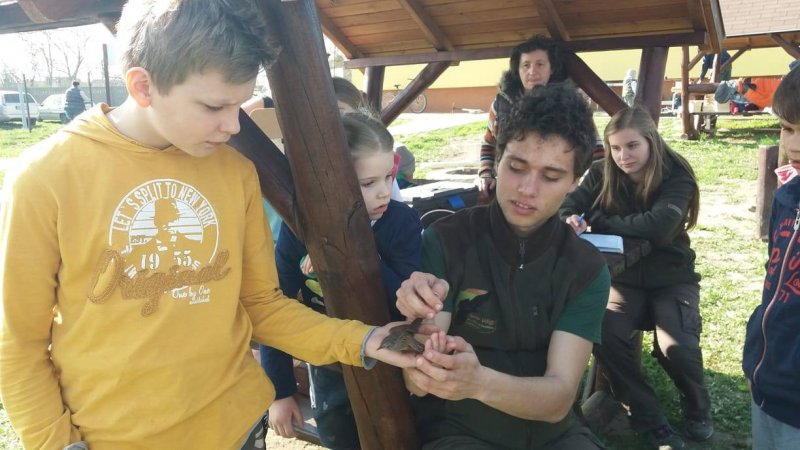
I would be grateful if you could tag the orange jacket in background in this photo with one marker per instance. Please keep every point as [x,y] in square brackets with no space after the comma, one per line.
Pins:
[761,96]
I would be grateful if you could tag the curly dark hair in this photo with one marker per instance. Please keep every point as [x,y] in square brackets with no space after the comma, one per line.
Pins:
[511,84]
[555,109]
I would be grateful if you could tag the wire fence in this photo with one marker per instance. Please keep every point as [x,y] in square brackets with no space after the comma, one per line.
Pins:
[96,93]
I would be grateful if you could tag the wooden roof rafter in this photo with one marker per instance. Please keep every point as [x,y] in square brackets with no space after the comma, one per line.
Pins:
[665,40]
[789,47]
[552,20]
[713,23]
[427,25]
[43,11]
[337,37]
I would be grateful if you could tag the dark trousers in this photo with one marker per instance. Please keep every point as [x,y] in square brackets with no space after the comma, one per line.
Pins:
[673,312]
[333,414]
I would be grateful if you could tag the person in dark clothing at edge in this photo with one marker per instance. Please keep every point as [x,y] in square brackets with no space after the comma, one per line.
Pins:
[708,64]
[521,295]
[534,62]
[73,101]
[771,359]
[644,189]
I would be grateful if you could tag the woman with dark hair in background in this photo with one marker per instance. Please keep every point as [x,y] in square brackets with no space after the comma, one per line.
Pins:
[534,62]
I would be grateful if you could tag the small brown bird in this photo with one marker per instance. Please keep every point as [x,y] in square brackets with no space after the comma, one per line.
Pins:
[401,338]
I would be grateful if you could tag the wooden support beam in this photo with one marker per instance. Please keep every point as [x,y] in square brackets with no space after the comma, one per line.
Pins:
[425,78]
[433,33]
[338,38]
[696,59]
[652,67]
[109,20]
[703,88]
[272,166]
[688,126]
[790,48]
[374,79]
[593,85]
[713,20]
[715,68]
[621,43]
[765,187]
[552,20]
[16,19]
[733,58]
[331,217]
[43,11]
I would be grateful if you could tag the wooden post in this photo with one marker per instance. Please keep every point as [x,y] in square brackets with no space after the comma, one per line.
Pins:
[767,183]
[688,126]
[332,220]
[593,85]
[272,166]
[425,78]
[652,67]
[789,47]
[374,77]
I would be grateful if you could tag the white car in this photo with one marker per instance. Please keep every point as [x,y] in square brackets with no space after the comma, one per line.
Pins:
[12,109]
[52,108]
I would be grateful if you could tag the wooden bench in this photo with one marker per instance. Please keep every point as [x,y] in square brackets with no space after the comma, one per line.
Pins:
[699,118]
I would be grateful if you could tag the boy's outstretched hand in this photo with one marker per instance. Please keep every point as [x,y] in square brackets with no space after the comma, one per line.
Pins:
[399,359]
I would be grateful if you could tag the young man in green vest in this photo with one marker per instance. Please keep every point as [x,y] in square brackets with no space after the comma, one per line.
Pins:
[521,296]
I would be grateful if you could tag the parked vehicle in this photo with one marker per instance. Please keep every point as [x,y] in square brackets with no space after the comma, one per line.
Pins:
[12,109]
[52,108]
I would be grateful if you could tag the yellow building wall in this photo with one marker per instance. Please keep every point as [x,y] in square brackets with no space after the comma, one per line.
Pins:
[610,66]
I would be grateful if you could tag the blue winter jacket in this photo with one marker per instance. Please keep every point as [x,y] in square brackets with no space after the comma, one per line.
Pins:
[772,343]
[398,238]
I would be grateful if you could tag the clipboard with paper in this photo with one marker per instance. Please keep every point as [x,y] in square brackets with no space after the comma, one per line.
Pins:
[608,243]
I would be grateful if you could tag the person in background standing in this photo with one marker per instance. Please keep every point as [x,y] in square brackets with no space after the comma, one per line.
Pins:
[73,101]
[629,87]
[708,63]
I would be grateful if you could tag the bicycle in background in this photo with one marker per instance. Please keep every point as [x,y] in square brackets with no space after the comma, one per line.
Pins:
[417,106]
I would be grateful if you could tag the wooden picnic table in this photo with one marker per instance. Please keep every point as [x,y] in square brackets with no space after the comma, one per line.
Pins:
[709,126]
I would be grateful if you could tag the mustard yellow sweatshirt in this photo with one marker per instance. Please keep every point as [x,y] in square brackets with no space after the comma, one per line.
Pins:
[132,281]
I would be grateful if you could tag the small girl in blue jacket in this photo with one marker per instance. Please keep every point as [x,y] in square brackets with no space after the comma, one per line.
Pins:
[397,232]
[771,360]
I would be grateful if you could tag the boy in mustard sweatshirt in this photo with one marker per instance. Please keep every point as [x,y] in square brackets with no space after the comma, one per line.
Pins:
[135,260]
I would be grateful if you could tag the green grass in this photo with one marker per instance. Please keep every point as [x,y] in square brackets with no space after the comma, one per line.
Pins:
[14,139]
[729,257]
[427,146]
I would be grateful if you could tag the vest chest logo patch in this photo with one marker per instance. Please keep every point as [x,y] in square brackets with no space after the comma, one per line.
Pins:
[469,312]
[483,325]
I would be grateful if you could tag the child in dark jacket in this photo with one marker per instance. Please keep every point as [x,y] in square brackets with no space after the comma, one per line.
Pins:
[646,190]
[397,232]
[771,359]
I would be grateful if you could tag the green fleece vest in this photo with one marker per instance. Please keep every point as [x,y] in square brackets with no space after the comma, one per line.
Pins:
[510,294]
